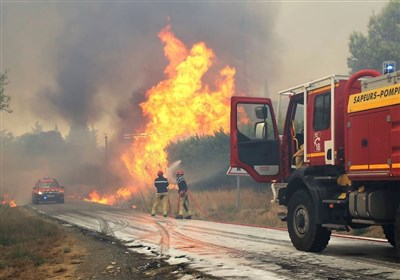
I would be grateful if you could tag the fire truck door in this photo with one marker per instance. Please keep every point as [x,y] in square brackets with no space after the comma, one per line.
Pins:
[254,138]
[319,144]
[295,131]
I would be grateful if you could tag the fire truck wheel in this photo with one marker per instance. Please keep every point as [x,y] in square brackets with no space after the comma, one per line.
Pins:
[388,230]
[304,233]
[397,231]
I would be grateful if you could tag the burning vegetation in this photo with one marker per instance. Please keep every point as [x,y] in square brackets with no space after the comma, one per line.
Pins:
[191,100]
[5,199]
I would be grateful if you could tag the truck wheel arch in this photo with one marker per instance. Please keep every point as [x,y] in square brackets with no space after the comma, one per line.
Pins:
[301,179]
[293,186]
[295,183]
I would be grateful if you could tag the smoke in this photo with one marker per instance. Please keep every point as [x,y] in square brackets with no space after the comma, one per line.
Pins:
[76,64]
[171,171]
[83,62]
[130,112]
[102,56]
[75,161]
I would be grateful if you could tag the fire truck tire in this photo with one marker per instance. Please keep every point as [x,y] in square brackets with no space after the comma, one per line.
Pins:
[304,233]
[397,231]
[388,230]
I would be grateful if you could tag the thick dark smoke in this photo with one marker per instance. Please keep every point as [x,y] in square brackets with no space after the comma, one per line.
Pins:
[129,112]
[95,61]
[106,52]
[81,63]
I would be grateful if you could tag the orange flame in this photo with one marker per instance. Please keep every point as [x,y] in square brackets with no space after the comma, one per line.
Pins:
[12,203]
[176,108]
[179,106]
[6,200]
[111,199]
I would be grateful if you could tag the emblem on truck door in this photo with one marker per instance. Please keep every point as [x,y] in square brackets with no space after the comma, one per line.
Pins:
[317,141]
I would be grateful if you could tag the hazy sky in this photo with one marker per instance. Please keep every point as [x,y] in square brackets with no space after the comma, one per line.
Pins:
[77,62]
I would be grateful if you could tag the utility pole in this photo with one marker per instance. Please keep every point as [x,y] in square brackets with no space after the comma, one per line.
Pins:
[106,159]
[238,192]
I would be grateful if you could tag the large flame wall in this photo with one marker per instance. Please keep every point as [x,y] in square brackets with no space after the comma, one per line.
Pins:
[180,106]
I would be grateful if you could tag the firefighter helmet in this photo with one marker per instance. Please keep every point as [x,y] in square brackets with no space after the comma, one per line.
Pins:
[160,173]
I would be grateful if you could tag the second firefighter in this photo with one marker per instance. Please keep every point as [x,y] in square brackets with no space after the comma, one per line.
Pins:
[183,204]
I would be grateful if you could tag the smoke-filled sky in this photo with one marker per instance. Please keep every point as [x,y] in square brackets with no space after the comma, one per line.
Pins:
[89,62]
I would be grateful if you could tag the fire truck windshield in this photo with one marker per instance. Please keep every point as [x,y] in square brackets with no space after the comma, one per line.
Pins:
[49,185]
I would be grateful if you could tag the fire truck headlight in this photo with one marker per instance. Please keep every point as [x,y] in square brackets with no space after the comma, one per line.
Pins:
[40,193]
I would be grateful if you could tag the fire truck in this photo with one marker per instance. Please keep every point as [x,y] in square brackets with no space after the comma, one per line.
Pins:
[47,190]
[333,160]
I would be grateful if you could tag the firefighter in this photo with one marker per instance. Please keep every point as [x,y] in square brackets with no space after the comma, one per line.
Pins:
[161,183]
[183,204]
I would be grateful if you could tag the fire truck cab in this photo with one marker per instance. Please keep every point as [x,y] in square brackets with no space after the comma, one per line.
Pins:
[334,162]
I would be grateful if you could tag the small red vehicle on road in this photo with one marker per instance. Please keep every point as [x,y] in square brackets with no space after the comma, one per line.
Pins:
[47,190]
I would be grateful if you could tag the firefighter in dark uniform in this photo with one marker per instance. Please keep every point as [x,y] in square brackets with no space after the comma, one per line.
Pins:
[183,205]
[161,183]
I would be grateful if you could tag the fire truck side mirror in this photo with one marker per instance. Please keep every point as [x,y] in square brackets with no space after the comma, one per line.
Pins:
[262,112]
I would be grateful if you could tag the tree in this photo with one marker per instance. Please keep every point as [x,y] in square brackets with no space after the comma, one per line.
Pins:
[82,135]
[205,160]
[4,99]
[382,42]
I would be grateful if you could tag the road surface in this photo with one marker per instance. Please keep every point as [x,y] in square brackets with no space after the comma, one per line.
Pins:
[230,251]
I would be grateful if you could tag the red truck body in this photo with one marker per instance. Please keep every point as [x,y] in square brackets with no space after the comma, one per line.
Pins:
[333,160]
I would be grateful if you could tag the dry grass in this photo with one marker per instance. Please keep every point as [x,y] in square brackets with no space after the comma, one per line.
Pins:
[34,248]
[251,207]
[255,208]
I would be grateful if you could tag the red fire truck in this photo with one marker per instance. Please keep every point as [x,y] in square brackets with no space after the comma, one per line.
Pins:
[335,164]
[47,190]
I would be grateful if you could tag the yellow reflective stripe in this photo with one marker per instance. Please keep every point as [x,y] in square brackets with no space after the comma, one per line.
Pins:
[358,167]
[379,166]
[396,165]
[375,98]
[373,166]
[316,155]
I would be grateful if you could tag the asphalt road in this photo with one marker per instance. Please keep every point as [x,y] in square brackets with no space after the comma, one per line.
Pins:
[231,251]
